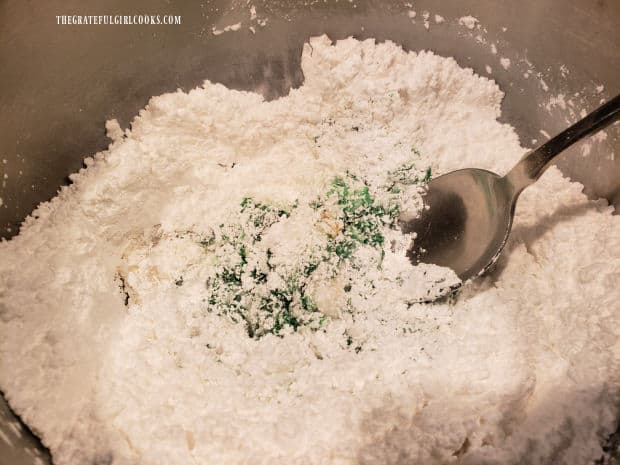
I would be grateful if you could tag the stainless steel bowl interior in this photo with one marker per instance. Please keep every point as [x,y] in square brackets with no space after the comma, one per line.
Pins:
[61,83]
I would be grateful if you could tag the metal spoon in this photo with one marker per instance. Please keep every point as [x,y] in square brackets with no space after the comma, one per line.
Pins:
[470,210]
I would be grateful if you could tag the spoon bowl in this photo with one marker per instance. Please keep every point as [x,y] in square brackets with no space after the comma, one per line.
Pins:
[466,223]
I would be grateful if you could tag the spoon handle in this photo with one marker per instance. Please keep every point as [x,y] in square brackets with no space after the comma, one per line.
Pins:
[533,164]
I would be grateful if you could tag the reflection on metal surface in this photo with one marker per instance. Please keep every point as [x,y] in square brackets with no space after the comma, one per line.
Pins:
[17,443]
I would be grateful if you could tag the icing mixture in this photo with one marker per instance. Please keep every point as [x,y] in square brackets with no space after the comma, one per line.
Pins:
[227,284]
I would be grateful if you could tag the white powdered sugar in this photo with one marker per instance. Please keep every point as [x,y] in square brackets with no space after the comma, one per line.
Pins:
[227,284]
[469,22]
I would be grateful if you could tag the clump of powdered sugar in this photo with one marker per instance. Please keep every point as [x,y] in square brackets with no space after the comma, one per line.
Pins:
[230,27]
[469,22]
[126,301]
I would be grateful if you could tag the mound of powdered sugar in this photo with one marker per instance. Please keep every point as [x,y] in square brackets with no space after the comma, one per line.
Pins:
[226,285]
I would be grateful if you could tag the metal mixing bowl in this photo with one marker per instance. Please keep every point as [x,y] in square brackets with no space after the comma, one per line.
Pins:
[60,83]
